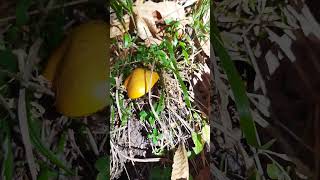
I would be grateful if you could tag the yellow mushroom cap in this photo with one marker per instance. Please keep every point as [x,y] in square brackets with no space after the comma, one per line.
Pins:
[139,82]
[79,70]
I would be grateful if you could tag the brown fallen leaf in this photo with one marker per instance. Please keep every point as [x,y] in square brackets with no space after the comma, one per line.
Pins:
[146,16]
[149,13]
[117,28]
[180,167]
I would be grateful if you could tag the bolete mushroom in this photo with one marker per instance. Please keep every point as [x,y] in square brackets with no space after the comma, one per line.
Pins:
[78,70]
[140,81]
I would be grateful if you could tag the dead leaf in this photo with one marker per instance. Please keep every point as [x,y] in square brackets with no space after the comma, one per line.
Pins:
[146,17]
[180,167]
[148,14]
[117,28]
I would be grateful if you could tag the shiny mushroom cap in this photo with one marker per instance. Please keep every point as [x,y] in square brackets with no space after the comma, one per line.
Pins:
[139,82]
[78,70]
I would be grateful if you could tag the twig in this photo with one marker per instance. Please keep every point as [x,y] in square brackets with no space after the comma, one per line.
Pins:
[182,120]
[255,66]
[92,142]
[117,97]
[23,121]
[137,159]
[24,128]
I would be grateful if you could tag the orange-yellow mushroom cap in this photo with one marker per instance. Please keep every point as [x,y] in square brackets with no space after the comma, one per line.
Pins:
[140,81]
[79,70]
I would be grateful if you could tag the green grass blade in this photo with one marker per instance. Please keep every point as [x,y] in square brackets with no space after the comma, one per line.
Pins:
[46,152]
[40,147]
[241,99]
[176,72]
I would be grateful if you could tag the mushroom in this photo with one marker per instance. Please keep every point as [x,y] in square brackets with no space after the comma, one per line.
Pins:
[139,82]
[78,70]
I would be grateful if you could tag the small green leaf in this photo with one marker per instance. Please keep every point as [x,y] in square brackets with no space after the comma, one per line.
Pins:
[197,142]
[206,133]
[160,106]
[143,115]
[155,135]
[273,171]
[268,144]
[127,40]
[102,164]
[152,120]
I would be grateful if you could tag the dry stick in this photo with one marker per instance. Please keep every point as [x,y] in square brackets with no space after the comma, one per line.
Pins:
[255,66]
[182,120]
[258,163]
[137,159]
[117,98]
[24,128]
[104,140]
[125,169]
[92,142]
[129,138]
[34,12]
[23,123]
